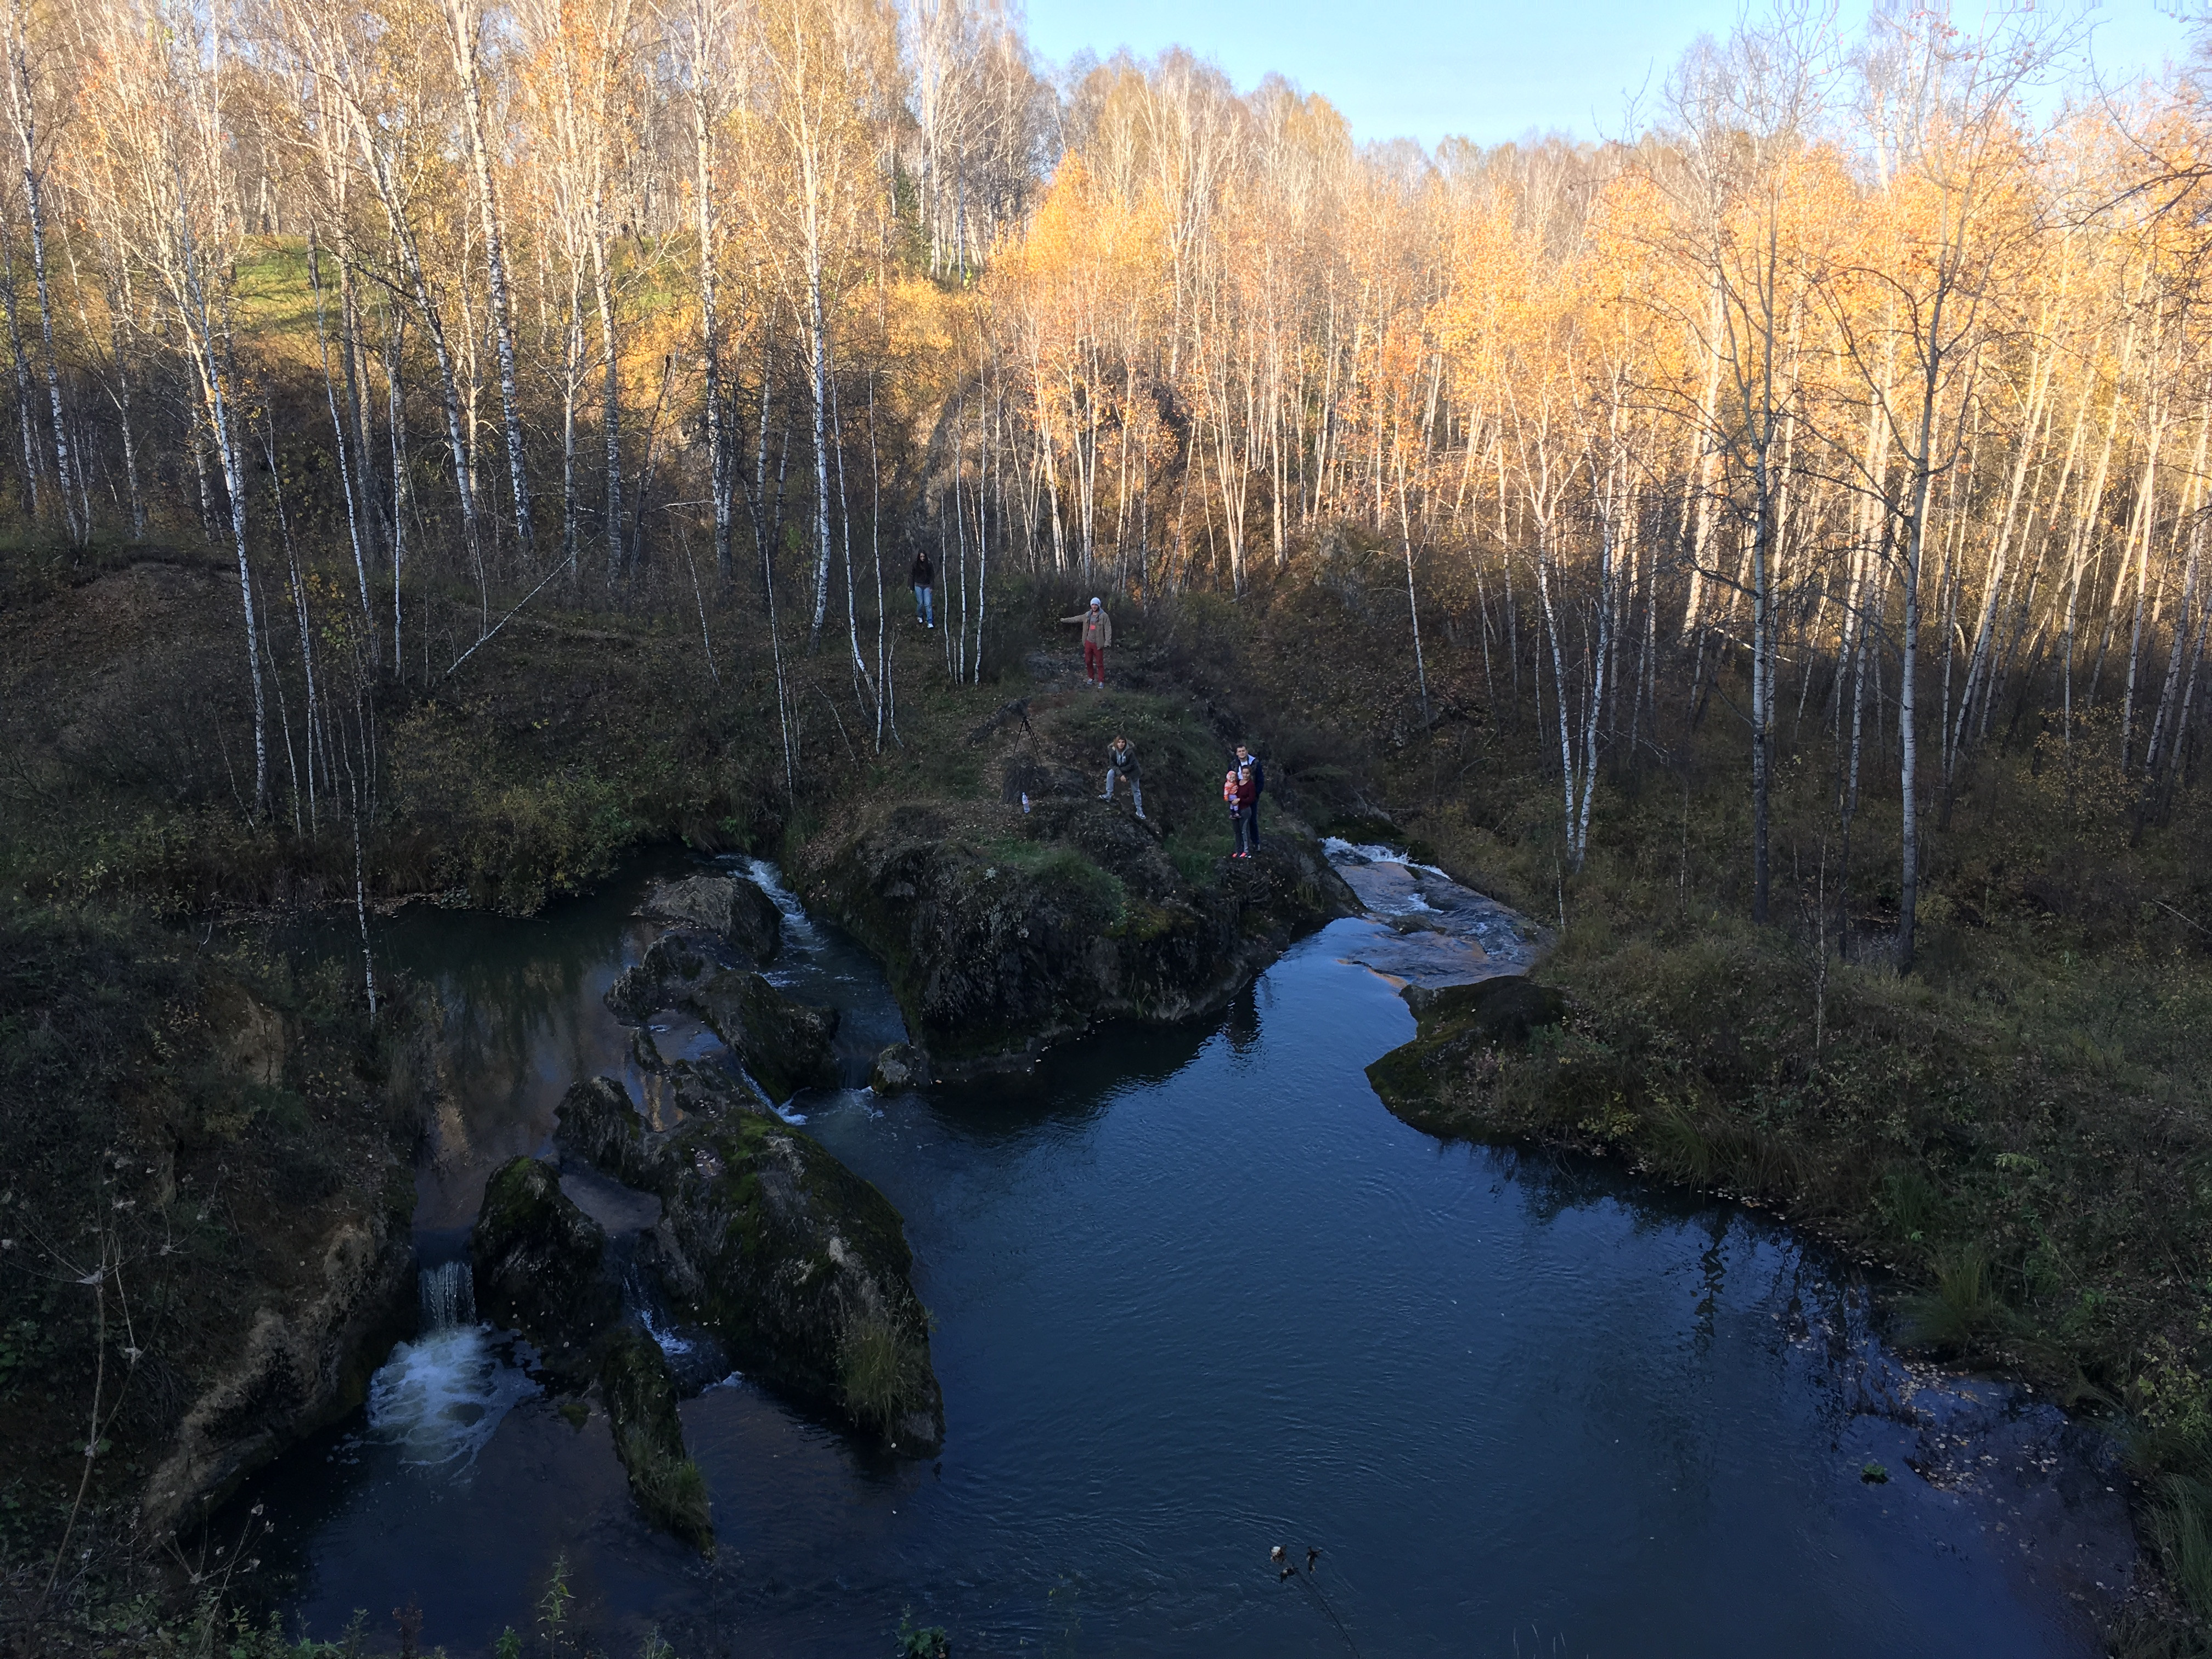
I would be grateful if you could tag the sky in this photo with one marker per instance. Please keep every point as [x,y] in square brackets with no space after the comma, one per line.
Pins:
[1485,69]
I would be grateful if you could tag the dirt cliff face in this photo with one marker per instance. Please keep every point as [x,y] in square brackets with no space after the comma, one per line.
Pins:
[207,1209]
[301,1367]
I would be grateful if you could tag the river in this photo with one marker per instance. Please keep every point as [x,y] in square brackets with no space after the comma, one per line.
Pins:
[1198,1294]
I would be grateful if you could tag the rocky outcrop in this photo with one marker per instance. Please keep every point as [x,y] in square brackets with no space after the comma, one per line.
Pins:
[648,1436]
[786,1045]
[733,911]
[796,1264]
[674,968]
[995,951]
[540,1262]
[898,1068]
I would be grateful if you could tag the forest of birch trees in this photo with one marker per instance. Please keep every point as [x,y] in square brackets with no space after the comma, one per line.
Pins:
[1860,384]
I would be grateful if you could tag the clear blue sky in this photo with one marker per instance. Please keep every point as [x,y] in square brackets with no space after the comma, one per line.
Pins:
[1488,70]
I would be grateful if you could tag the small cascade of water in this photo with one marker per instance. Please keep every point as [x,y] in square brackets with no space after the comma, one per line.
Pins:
[796,921]
[694,1359]
[1429,929]
[447,1295]
[439,1398]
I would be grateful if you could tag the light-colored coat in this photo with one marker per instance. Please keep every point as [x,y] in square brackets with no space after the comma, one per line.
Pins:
[1098,627]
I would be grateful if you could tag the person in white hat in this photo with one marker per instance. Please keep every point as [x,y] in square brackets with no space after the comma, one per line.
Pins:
[1097,635]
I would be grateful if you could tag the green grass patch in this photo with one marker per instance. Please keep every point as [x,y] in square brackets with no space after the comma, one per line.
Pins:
[882,1373]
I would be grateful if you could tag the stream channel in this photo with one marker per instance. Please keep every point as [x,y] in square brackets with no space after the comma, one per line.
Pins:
[1197,1293]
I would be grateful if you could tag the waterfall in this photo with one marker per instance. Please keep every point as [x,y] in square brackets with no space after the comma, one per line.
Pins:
[439,1398]
[447,1294]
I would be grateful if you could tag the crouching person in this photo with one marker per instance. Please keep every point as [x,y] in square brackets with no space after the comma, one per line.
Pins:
[1122,763]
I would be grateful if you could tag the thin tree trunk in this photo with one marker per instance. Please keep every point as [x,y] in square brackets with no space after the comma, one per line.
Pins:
[463,18]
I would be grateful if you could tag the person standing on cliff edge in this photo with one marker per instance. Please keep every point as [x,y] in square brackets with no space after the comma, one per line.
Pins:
[1097,635]
[1248,762]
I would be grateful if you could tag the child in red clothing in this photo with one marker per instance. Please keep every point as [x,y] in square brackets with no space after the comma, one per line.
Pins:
[1241,790]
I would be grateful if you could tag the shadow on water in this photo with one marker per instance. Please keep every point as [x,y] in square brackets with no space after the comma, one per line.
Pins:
[1196,1293]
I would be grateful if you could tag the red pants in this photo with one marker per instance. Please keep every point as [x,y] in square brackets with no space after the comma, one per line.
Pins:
[1094,662]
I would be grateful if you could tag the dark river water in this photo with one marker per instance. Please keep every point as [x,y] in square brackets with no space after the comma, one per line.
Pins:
[1197,1293]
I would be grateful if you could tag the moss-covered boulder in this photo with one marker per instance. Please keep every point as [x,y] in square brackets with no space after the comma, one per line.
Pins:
[784,1044]
[1459,1031]
[799,1266]
[540,1262]
[734,910]
[649,1434]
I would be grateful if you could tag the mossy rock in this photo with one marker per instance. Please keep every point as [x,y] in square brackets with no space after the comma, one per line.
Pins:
[649,1434]
[799,1266]
[786,1045]
[1455,1026]
[736,910]
[802,1268]
[1505,1008]
[540,1260]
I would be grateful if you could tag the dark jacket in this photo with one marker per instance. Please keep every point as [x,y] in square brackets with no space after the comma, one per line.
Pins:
[1123,759]
[1258,774]
[924,573]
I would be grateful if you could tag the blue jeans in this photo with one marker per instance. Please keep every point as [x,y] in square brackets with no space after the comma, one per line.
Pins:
[922,608]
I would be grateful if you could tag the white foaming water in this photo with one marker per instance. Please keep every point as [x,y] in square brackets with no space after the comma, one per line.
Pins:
[663,1336]
[440,1399]
[1336,847]
[769,879]
[1387,881]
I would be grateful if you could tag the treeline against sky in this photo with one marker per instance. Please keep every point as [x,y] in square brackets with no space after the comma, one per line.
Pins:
[1864,385]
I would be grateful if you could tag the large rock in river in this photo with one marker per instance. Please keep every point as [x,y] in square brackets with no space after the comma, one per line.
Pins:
[784,1044]
[734,910]
[668,976]
[648,1436]
[800,1267]
[898,1068]
[540,1262]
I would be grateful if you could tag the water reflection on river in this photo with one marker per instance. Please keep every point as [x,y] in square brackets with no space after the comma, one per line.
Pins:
[1198,1294]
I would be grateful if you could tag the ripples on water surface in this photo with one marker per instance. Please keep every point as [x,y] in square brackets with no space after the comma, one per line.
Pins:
[1198,1294]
